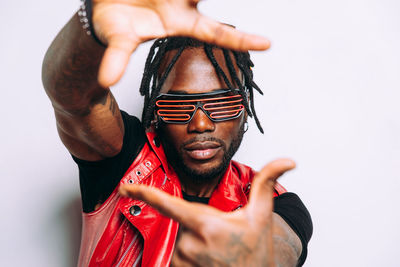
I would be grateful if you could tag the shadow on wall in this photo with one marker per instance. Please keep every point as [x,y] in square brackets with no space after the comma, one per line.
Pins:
[60,235]
[72,223]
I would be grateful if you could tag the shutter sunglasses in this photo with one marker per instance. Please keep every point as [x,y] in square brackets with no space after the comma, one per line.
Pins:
[219,105]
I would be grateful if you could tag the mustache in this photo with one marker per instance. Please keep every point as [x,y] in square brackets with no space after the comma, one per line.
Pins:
[204,139]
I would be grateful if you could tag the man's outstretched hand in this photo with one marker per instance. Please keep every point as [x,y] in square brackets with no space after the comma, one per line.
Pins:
[123,24]
[214,238]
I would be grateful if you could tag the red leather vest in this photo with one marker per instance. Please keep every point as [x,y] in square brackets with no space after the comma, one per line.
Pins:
[124,231]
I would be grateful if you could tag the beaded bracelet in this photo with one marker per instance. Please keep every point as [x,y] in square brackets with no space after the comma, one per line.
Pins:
[85,17]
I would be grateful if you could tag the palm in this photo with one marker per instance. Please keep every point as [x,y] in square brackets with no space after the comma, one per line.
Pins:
[123,25]
[121,21]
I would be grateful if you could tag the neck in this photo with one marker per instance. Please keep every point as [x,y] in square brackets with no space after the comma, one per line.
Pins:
[198,188]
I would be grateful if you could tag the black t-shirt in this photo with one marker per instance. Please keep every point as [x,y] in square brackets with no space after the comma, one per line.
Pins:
[99,179]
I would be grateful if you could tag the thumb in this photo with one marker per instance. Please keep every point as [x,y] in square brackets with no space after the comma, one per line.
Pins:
[261,194]
[115,59]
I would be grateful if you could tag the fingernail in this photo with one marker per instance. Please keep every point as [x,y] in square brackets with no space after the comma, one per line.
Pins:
[122,191]
[290,163]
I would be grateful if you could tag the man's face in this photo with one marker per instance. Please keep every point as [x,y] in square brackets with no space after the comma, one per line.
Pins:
[201,149]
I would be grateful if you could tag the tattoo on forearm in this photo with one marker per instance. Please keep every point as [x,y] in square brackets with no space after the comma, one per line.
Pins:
[235,253]
[113,105]
[110,102]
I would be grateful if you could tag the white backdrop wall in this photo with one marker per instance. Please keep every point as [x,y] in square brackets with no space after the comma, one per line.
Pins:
[331,83]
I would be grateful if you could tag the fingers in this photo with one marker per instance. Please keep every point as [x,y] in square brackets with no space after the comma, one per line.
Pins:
[190,215]
[210,31]
[115,60]
[194,2]
[261,194]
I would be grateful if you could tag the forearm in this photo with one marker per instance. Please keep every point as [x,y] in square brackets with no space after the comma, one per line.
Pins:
[88,119]
[70,69]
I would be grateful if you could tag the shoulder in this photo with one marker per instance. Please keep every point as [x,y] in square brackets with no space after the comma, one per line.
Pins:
[98,179]
[293,211]
[244,172]
[131,120]
[246,175]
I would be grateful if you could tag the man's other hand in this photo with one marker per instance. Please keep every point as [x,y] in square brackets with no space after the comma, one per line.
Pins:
[214,238]
[123,24]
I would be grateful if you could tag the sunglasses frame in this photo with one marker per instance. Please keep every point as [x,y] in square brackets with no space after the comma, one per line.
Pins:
[200,104]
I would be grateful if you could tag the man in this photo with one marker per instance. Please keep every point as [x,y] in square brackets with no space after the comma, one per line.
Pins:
[197,99]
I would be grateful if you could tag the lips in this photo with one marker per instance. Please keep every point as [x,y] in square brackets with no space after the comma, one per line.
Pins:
[202,150]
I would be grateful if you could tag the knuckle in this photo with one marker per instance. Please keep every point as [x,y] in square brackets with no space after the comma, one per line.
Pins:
[186,245]
[209,229]
[202,228]
[241,42]
[219,31]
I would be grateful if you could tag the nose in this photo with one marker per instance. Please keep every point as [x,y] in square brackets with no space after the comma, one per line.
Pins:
[200,123]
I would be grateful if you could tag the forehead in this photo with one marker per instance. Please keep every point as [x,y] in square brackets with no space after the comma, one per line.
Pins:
[194,73]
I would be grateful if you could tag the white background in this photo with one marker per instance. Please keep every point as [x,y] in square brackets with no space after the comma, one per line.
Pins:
[331,83]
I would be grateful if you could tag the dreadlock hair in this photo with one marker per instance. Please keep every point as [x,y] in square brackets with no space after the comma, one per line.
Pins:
[152,80]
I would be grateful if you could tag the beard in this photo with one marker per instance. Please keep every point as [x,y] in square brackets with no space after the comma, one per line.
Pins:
[176,159]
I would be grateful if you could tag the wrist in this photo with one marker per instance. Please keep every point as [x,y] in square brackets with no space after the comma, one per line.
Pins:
[85,17]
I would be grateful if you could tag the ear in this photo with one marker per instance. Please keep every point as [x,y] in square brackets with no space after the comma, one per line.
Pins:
[155,120]
[245,124]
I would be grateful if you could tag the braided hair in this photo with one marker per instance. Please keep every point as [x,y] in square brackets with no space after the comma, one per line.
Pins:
[152,80]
